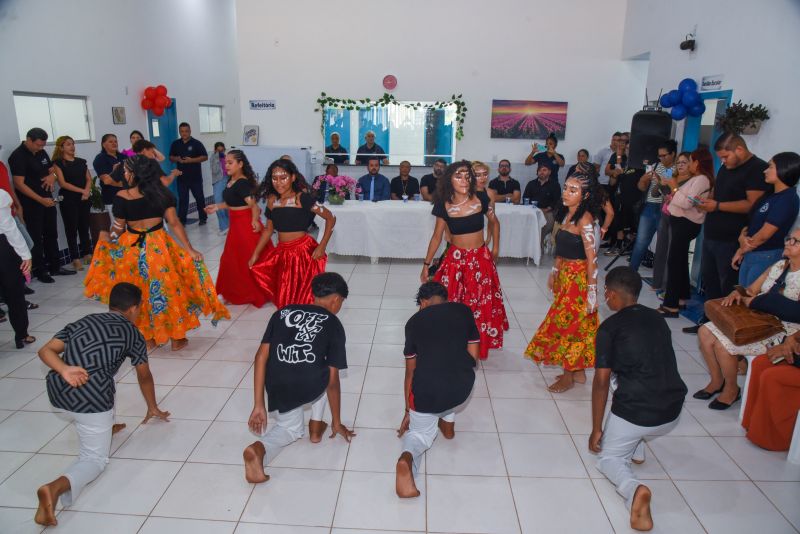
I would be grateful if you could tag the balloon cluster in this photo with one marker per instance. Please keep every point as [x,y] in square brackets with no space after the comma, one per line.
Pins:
[685,100]
[156,99]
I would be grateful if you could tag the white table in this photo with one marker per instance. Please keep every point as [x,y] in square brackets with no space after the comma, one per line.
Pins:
[397,229]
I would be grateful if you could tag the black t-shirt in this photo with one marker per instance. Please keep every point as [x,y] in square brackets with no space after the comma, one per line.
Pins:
[362,159]
[34,167]
[547,195]
[779,210]
[731,185]
[235,194]
[636,344]
[104,164]
[74,174]
[429,181]
[437,337]
[304,341]
[331,152]
[504,188]
[411,187]
[543,159]
[628,186]
[190,149]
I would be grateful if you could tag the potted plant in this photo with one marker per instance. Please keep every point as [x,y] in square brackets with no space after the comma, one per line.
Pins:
[339,187]
[99,218]
[742,118]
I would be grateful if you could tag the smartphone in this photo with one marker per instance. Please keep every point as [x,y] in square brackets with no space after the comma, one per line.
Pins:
[741,290]
[778,360]
[648,168]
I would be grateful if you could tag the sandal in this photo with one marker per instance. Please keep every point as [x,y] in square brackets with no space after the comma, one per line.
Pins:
[25,341]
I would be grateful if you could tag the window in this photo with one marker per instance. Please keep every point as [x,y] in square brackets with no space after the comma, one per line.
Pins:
[56,114]
[420,136]
[211,119]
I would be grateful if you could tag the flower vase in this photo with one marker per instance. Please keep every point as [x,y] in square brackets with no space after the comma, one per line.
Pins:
[335,200]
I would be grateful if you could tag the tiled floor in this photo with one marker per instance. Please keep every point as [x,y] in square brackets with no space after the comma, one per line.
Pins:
[519,462]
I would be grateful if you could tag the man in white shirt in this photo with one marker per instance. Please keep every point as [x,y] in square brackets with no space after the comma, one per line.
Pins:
[15,261]
[602,157]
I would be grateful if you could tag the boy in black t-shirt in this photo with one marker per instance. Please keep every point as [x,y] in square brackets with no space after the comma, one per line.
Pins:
[442,346]
[635,346]
[297,363]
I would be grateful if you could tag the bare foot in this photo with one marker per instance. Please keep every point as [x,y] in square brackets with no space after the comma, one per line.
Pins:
[178,344]
[151,345]
[577,376]
[316,429]
[46,513]
[254,463]
[448,430]
[640,509]
[404,482]
[564,383]
[116,427]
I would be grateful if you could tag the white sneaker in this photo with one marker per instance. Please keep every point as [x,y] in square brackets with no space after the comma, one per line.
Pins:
[223,232]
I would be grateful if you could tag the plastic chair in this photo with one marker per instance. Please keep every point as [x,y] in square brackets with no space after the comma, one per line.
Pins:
[745,387]
[794,448]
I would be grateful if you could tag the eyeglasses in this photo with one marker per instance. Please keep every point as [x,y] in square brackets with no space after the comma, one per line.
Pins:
[791,241]
[279,177]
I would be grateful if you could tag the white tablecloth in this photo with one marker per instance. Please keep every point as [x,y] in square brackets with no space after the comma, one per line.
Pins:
[397,229]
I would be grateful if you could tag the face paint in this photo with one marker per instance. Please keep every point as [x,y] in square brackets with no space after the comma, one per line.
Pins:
[588,244]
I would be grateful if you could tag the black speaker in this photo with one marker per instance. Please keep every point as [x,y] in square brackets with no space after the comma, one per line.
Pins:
[648,130]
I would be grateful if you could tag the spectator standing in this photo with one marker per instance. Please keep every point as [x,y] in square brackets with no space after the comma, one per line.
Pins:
[104,165]
[601,159]
[662,238]
[189,153]
[219,181]
[75,183]
[547,155]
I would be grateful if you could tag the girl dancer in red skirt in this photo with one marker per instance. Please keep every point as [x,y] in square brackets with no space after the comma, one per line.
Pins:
[468,270]
[566,336]
[235,281]
[285,272]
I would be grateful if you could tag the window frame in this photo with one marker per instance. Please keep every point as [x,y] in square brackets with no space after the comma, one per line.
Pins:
[52,133]
[221,118]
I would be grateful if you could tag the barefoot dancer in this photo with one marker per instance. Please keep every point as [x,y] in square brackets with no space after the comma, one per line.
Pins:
[566,336]
[82,384]
[298,363]
[635,345]
[442,346]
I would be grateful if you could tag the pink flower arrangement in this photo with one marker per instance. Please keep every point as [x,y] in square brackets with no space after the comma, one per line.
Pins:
[339,185]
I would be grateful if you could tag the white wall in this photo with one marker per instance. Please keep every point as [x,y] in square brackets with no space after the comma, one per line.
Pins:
[507,49]
[755,45]
[110,51]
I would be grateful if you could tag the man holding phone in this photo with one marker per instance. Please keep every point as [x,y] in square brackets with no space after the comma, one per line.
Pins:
[189,153]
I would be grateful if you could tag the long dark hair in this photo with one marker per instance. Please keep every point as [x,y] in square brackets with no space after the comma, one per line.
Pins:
[705,163]
[444,185]
[592,197]
[266,189]
[787,167]
[247,170]
[147,175]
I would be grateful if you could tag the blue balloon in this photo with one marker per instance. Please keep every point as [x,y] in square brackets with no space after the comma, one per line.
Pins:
[697,110]
[666,102]
[690,99]
[687,85]
[678,112]
[675,97]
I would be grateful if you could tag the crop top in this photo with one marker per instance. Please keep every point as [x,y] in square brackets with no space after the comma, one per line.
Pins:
[569,246]
[138,208]
[292,219]
[463,225]
[235,194]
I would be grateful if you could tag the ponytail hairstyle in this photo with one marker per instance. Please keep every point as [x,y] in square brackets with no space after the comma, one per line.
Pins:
[147,175]
[266,189]
[592,198]
[58,151]
[247,169]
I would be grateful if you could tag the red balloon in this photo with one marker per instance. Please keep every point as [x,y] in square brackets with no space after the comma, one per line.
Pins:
[147,103]
[158,111]
[161,90]
[150,93]
[160,101]
[169,102]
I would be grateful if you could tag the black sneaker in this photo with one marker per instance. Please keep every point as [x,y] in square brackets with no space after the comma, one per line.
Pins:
[45,278]
[29,291]
[691,329]
[203,222]
[63,272]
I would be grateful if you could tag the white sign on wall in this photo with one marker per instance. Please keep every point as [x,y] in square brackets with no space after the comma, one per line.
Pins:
[711,83]
[262,105]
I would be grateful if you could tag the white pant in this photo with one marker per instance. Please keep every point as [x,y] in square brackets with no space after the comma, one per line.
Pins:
[422,430]
[94,439]
[622,441]
[288,427]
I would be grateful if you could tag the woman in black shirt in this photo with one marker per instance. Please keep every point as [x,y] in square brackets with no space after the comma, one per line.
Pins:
[285,272]
[468,270]
[75,185]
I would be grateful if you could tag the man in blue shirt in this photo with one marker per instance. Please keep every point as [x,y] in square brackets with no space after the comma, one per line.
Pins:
[374,186]
[189,153]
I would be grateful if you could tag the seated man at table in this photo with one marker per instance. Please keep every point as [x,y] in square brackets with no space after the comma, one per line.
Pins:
[427,185]
[504,186]
[546,193]
[404,185]
[335,151]
[363,156]
[374,185]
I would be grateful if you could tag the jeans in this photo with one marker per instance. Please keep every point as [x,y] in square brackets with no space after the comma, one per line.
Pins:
[94,439]
[755,263]
[422,430]
[288,427]
[648,224]
[196,187]
[717,274]
[222,215]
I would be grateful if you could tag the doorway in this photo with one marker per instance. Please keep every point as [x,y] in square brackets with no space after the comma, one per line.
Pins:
[163,131]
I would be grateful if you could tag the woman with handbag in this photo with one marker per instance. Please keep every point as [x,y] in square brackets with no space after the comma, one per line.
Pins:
[680,176]
[781,282]
[685,221]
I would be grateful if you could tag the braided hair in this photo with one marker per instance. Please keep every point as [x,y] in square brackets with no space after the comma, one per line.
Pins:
[592,197]
[147,175]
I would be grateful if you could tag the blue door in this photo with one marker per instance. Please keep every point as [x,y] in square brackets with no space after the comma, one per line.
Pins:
[163,131]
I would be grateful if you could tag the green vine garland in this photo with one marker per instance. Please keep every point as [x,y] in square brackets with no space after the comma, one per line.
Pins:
[325,101]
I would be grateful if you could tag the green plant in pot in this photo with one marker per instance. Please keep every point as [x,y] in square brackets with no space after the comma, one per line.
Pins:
[742,118]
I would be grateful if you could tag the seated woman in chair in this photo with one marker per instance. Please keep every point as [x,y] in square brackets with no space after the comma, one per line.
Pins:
[776,291]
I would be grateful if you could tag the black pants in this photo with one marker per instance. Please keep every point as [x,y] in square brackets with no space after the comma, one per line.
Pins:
[75,214]
[195,185]
[718,275]
[42,225]
[682,232]
[12,286]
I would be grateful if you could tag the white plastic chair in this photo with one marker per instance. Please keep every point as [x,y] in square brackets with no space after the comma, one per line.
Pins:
[745,387]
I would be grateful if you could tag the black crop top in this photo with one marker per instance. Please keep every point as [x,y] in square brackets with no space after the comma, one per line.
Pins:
[138,208]
[463,225]
[235,194]
[569,246]
[292,219]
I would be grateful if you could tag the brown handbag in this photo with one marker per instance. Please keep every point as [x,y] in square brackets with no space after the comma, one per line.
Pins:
[740,324]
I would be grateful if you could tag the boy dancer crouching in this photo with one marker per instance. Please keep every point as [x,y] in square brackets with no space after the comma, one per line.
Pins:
[297,363]
[635,345]
[442,346]
[82,384]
